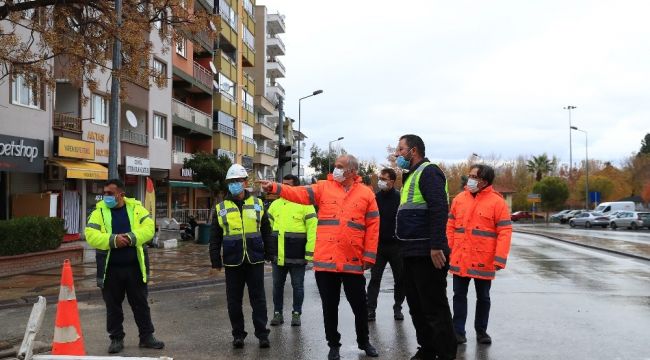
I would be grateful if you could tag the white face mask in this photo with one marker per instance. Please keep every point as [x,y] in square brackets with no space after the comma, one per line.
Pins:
[472,185]
[339,174]
[382,185]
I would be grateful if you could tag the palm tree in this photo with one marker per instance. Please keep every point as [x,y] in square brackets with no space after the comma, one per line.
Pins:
[541,165]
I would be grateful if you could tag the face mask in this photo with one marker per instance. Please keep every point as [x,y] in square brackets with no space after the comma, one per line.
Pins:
[110,201]
[402,162]
[382,185]
[236,188]
[472,185]
[338,174]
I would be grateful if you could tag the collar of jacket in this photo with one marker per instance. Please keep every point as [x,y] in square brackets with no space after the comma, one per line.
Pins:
[231,198]
[127,202]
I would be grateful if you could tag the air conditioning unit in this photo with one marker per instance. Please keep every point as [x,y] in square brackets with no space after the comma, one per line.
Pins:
[55,172]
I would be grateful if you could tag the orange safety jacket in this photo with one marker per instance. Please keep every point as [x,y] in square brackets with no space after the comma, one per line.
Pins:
[479,231]
[348,223]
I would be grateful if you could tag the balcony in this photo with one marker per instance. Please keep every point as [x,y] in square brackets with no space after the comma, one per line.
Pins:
[275,46]
[265,156]
[191,118]
[204,41]
[275,24]
[203,75]
[229,154]
[67,122]
[275,69]
[273,91]
[178,157]
[226,130]
[134,137]
[264,129]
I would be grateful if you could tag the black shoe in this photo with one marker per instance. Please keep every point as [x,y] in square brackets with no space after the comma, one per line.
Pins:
[369,349]
[482,337]
[116,346]
[151,342]
[460,339]
[238,343]
[419,355]
[398,315]
[334,353]
[264,343]
[371,315]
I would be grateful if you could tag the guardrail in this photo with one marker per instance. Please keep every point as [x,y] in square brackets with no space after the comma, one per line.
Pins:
[67,122]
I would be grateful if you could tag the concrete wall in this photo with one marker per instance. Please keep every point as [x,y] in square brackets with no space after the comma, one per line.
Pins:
[160,153]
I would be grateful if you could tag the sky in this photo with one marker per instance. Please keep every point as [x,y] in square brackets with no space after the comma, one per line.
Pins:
[484,77]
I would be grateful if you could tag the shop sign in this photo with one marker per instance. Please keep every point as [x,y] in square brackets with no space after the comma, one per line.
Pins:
[18,154]
[137,166]
[187,172]
[71,148]
[99,139]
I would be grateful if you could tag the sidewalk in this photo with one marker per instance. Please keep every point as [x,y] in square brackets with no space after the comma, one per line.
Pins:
[185,266]
[595,240]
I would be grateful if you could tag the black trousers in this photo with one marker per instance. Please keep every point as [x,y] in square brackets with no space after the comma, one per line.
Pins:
[251,275]
[329,287]
[121,280]
[387,254]
[427,299]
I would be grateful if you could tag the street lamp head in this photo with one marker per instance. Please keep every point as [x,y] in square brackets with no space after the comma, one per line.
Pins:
[317,92]
[341,138]
[570,107]
[574,128]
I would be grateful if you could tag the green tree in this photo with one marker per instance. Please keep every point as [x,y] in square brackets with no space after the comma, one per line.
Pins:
[210,170]
[319,160]
[541,165]
[554,192]
[645,145]
[601,184]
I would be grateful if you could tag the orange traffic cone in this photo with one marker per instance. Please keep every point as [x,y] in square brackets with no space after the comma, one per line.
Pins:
[68,339]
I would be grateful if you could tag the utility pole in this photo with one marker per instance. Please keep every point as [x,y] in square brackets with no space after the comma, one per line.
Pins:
[279,173]
[114,115]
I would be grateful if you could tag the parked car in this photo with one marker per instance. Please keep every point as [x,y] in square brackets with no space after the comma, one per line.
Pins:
[630,219]
[589,219]
[614,214]
[608,207]
[570,215]
[559,216]
[521,215]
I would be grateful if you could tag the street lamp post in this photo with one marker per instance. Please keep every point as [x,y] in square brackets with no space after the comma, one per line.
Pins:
[586,166]
[329,153]
[570,107]
[300,133]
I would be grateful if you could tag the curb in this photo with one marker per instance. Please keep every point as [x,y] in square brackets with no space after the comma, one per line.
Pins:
[639,257]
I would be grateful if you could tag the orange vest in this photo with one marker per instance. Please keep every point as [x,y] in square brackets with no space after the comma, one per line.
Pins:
[479,231]
[348,223]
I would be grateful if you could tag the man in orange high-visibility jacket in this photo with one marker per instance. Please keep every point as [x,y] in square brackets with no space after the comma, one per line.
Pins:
[479,231]
[346,244]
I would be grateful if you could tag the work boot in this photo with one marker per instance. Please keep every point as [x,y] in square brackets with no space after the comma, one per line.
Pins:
[334,353]
[238,343]
[397,314]
[151,342]
[421,355]
[369,349]
[277,319]
[264,343]
[116,346]
[371,315]
[482,337]
[295,319]
[460,339]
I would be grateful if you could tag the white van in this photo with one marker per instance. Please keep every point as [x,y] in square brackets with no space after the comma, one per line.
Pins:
[607,207]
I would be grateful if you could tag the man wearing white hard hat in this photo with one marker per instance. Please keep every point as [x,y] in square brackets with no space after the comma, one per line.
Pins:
[242,228]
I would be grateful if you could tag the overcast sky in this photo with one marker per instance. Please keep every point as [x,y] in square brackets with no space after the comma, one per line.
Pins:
[485,77]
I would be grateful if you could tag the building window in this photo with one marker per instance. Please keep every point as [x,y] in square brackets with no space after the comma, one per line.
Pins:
[160,68]
[181,47]
[99,109]
[179,144]
[226,86]
[247,100]
[249,38]
[26,91]
[159,127]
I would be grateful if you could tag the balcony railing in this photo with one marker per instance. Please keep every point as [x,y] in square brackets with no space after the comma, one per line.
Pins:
[248,139]
[279,64]
[134,137]
[67,122]
[272,42]
[265,150]
[203,75]
[178,157]
[204,38]
[226,130]
[227,153]
[266,122]
[191,114]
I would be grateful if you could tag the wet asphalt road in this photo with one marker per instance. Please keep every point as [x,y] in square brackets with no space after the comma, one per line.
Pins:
[554,301]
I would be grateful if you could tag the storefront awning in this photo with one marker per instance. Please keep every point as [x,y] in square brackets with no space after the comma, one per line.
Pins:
[83,170]
[187,184]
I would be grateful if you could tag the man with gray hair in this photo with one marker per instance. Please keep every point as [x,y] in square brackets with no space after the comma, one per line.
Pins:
[347,233]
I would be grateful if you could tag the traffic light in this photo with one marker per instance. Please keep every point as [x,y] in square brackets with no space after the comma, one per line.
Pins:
[285,155]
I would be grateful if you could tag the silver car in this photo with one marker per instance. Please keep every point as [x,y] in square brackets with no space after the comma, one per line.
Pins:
[589,219]
[629,219]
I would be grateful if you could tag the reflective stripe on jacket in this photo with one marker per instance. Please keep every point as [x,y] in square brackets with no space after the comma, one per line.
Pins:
[479,231]
[413,221]
[348,223]
[294,232]
[99,234]
[241,231]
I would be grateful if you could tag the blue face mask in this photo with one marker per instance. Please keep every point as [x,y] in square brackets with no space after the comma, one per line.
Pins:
[402,162]
[236,188]
[110,201]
